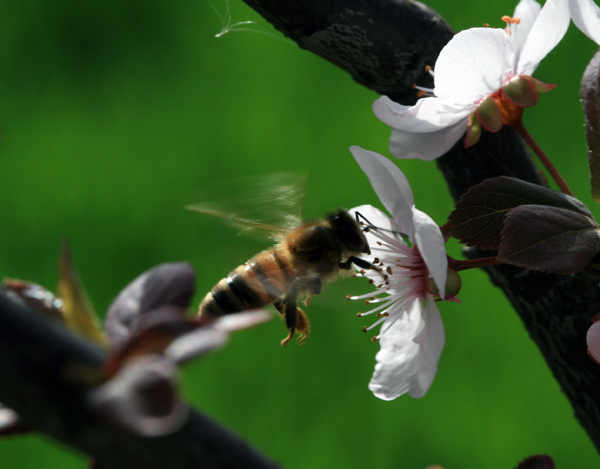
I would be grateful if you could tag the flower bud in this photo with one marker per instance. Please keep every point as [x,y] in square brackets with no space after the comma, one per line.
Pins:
[593,340]
[453,284]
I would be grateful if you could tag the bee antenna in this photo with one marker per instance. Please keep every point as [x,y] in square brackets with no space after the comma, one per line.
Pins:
[359,219]
[369,226]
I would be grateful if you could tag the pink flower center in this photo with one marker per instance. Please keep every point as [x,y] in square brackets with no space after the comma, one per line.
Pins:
[404,278]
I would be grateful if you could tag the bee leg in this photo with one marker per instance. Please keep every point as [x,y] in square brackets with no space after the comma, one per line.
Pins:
[315,287]
[300,320]
[359,262]
[295,319]
[364,264]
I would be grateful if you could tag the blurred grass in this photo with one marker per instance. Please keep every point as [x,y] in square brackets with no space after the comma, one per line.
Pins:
[114,115]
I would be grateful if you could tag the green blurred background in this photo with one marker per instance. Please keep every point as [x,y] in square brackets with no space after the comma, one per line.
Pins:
[114,115]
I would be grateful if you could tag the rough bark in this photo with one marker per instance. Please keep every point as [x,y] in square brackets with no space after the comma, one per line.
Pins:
[384,45]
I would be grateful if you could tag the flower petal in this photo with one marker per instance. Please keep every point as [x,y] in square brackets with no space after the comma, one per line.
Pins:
[390,185]
[586,16]
[428,146]
[431,339]
[403,364]
[471,66]
[430,241]
[548,29]
[526,11]
[427,115]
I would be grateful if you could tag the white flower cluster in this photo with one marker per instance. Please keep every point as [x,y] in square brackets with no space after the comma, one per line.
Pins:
[477,64]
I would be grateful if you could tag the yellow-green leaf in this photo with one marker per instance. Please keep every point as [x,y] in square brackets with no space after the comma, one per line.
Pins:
[78,311]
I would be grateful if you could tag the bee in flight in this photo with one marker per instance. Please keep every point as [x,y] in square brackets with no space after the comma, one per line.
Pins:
[304,258]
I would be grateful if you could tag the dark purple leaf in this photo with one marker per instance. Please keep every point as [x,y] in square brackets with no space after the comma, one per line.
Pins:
[590,97]
[196,343]
[180,339]
[200,341]
[151,340]
[549,239]
[479,214]
[164,285]
[539,461]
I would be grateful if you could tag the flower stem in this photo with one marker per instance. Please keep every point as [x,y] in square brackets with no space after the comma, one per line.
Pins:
[459,265]
[519,127]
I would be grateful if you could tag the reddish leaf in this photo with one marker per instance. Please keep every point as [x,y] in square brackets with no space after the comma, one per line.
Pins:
[167,332]
[590,97]
[539,461]
[549,239]
[164,285]
[201,341]
[151,340]
[479,214]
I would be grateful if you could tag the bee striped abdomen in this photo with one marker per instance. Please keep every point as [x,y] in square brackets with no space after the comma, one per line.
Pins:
[255,284]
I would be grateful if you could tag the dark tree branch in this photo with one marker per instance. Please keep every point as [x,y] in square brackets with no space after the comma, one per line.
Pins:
[384,45]
[45,376]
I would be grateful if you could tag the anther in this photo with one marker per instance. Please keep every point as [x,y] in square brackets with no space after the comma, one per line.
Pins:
[359,315]
[371,281]
[509,20]
[389,270]
[375,339]
[365,329]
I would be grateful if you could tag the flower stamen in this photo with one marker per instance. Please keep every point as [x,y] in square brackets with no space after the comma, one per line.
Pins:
[422,90]
[507,19]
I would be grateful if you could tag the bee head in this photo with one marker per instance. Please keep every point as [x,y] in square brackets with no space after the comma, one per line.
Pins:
[349,232]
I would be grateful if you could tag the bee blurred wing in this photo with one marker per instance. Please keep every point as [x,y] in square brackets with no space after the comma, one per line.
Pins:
[261,205]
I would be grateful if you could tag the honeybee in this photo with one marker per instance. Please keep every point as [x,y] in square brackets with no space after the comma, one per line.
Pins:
[305,258]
